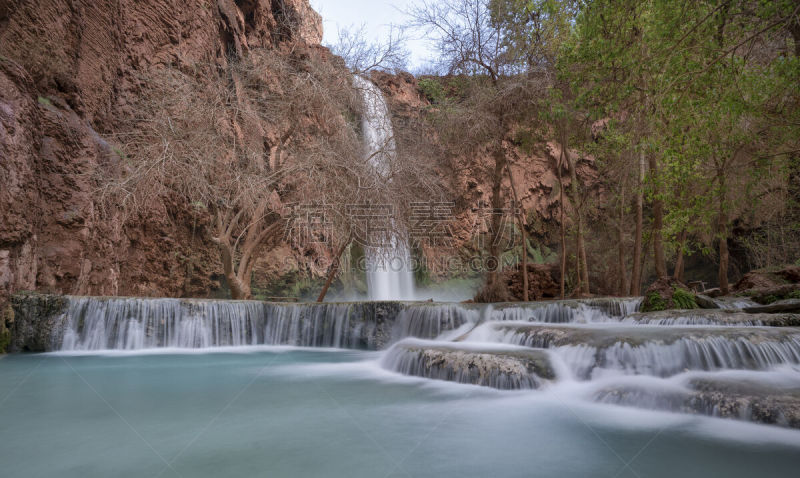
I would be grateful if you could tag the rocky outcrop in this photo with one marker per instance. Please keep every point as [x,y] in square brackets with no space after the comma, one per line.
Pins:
[38,322]
[70,72]
[542,282]
[468,182]
[767,279]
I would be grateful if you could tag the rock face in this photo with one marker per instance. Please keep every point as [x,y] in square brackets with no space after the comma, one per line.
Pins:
[468,180]
[37,322]
[69,72]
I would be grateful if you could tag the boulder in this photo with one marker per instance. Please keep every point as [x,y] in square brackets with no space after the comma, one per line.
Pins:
[505,368]
[705,302]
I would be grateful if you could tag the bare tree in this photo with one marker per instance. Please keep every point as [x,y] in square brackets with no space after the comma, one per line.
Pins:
[236,147]
[362,55]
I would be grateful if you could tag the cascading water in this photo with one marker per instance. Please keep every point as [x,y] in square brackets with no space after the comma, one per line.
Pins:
[389,274]
[599,349]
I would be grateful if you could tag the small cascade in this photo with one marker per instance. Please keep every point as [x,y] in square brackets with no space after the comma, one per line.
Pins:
[132,324]
[744,396]
[135,323]
[389,274]
[504,369]
[431,321]
[678,361]
[590,351]
[568,311]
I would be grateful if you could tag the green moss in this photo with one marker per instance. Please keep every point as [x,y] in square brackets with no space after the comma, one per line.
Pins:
[794,295]
[44,101]
[683,299]
[771,299]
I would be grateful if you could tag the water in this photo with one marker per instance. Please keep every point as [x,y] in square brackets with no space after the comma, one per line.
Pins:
[282,412]
[389,274]
[571,388]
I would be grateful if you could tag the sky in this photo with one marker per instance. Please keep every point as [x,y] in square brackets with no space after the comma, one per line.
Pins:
[376,15]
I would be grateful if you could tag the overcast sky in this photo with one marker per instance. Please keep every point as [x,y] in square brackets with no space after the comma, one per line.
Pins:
[377,15]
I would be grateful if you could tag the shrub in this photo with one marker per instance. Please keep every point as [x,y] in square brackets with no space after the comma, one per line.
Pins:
[653,303]
[432,89]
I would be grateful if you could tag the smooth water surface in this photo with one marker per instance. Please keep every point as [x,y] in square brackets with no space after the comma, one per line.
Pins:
[301,412]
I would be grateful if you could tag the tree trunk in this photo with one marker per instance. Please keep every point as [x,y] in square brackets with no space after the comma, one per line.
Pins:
[636,273]
[332,272]
[722,235]
[622,289]
[520,219]
[492,277]
[679,261]
[581,266]
[658,221]
[563,226]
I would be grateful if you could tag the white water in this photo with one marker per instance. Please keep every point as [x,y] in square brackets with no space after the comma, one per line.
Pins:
[389,274]
[594,350]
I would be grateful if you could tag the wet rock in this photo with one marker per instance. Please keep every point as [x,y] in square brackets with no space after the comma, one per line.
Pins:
[705,302]
[767,278]
[501,368]
[756,402]
[752,401]
[38,322]
[789,305]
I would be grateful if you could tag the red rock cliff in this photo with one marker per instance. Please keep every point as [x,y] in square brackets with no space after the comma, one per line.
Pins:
[69,71]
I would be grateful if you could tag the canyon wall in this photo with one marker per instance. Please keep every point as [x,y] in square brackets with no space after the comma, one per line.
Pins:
[70,76]
[70,72]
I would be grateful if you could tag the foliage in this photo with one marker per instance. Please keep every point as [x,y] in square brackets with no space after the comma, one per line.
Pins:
[683,299]
[653,303]
[432,89]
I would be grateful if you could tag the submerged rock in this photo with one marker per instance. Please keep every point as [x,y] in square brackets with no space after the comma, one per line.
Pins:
[501,368]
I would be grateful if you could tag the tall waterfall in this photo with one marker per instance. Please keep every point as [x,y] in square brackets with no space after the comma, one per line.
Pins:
[389,274]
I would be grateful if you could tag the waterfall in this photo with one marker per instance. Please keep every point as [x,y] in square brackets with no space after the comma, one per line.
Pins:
[389,274]
[729,364]
[122,323]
